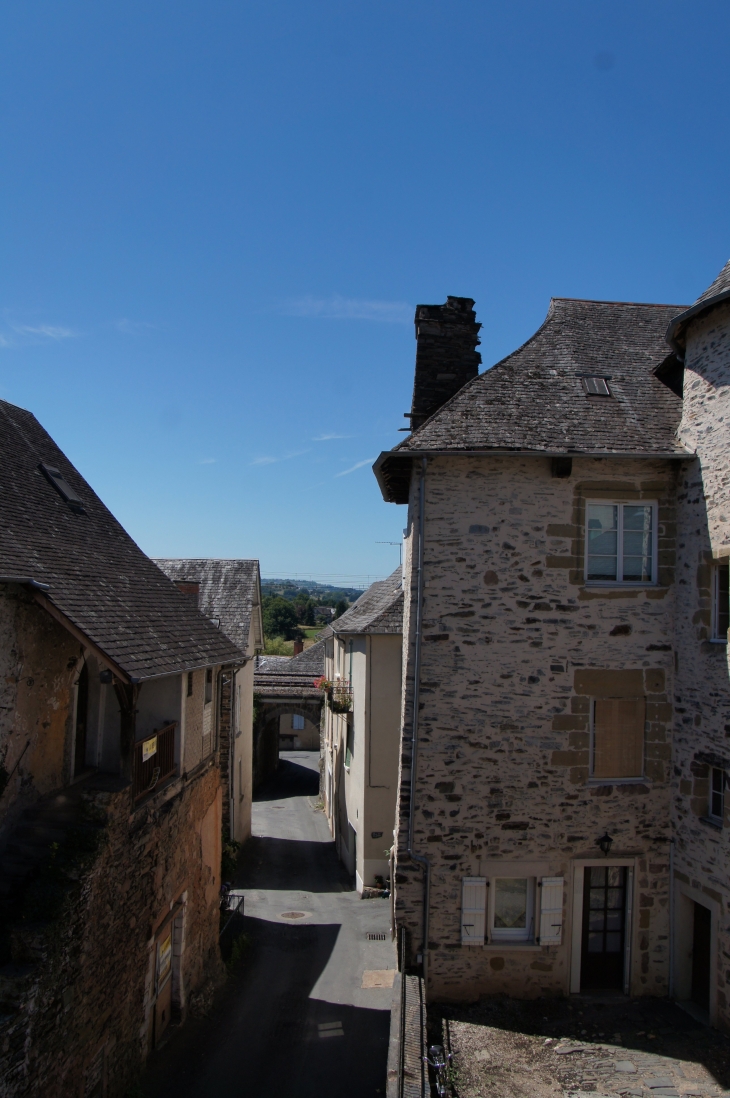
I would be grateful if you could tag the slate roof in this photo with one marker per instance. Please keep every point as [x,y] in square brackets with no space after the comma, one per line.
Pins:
[97,576]
[230,590]
[534,399]
[717,292]
[378,610]
[290,676]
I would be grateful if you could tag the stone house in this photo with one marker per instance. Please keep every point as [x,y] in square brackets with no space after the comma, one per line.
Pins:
[363,662]
[288,707]
[534,833]
[110,793]
[228,592]
[700,336]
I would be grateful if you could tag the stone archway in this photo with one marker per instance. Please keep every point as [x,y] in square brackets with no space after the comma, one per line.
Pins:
[269,709]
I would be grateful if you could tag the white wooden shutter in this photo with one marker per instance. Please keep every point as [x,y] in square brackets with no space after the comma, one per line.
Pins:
[551,911]
[473,910]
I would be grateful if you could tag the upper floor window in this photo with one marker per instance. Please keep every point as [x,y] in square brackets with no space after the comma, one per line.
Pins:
[209,685]
[720,600]
[717,795]
[617,740]
[190,684]
[621,543]
[297,722]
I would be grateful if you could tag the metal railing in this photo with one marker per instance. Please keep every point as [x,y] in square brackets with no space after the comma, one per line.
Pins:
[154,760]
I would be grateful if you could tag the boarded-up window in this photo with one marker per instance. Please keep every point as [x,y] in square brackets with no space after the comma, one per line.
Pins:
[551,910]
[473,910]
[618,737]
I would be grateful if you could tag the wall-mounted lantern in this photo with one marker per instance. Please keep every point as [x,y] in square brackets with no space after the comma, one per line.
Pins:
[604,843]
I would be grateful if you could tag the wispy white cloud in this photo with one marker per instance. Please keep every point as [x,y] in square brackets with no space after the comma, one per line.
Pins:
[207,461]
[326,438]
[349,308]
[268,460]
[42,331]
[358,465]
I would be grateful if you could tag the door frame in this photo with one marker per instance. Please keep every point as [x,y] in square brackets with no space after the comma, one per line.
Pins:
[579,867]
[685,897]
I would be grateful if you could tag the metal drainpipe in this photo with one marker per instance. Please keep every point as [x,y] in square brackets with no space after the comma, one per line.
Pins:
[414,733]
[671,918]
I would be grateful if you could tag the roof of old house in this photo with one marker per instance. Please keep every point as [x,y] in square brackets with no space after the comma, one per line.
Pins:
[378,610]
[535,400]
[98,578]
[717,292]
[229,590]
[290,676]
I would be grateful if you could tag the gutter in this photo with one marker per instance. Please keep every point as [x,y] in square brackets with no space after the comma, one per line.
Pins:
[419,858]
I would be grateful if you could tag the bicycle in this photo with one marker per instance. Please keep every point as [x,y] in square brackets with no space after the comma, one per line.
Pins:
[439,1060]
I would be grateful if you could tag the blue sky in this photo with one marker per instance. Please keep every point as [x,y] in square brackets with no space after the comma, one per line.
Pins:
[216,220]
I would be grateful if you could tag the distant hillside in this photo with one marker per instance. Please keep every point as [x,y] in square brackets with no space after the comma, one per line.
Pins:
[324,594]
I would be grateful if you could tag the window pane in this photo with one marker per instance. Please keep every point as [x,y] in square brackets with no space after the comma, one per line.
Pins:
[598,875]
[595,920]
[510,902]
[613,920]
[615,876]
[613,943]
[637,545]
[598,899]
[615,898]
[602,523]
[595,943]
[637,569]
[722,595]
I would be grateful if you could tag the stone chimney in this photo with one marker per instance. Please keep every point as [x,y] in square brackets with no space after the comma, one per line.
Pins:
[446,357]
[298,647]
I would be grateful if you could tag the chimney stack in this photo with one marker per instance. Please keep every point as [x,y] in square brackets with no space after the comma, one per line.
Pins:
[446,357]
[298,647]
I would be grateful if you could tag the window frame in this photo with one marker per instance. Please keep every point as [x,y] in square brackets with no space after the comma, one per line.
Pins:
[512,935]
[711,815]
[716,636]
[639,779]
[621,503]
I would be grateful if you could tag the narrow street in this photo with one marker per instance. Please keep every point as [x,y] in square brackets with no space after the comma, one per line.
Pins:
[294,1020]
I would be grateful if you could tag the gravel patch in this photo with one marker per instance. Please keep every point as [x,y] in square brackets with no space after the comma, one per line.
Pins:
[584,1047]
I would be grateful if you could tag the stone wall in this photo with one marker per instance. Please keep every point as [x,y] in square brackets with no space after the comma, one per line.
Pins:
[514,646]
[702,723]
[87,1000]
[39,665]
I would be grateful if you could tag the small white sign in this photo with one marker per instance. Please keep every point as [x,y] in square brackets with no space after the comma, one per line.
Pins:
[149,748]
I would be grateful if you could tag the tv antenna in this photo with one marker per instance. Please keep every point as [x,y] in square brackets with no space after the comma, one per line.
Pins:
[398,543]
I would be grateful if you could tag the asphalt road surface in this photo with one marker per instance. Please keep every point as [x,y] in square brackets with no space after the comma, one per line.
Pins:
[294,1020]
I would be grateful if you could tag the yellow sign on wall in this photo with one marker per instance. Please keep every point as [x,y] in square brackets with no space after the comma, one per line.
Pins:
[149,748]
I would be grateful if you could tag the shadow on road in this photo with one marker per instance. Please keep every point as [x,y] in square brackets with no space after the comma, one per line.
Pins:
[292,779]
[292,864]
[266,1036]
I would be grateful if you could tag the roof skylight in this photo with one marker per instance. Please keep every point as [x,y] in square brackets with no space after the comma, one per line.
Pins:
[596,386]
[62,486]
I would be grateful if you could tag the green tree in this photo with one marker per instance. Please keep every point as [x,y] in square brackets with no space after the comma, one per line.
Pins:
[340,606]
[280,618]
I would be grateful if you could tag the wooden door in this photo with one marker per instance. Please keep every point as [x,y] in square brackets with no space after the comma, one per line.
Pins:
[604,928]
[701,935]
[163,1000]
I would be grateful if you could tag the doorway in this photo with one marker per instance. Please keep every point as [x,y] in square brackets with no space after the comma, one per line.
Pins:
[82,721]
[701,951]
[604,928]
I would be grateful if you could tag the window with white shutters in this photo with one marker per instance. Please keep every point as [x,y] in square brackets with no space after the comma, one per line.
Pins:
[473,910]
[551,910]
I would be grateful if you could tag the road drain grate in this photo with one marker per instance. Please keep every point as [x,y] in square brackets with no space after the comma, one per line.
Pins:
[377,937]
